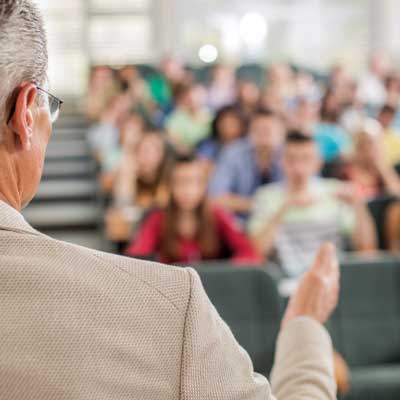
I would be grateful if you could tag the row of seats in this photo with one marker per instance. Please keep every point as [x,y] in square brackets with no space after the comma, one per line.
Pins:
[365,328]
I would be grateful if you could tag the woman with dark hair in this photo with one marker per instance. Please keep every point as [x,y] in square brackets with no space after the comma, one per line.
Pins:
[139,184]
[227,126]
[189,229]
[332,140]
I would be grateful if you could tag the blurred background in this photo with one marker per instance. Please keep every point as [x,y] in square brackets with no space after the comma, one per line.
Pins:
[311,33]
[236,137]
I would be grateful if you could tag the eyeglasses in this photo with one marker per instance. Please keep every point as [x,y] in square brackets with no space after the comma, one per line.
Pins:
[54,106]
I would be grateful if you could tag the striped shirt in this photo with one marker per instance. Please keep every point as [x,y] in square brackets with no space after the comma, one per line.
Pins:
[303,229]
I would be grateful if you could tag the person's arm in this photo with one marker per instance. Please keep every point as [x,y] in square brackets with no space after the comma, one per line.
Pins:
[390,179]
[146,241]
[232,234]
[215,367]
[392,227]
[264,238]
[234,202]
[124,190]
[264,234]
[363,235]
[223,182]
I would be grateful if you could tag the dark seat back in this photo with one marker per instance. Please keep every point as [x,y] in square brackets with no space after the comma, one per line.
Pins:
[247,299]
[366,325]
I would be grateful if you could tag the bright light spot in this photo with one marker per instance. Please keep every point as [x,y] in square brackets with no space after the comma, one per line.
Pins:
[231,40]
[253,28]
[208,53]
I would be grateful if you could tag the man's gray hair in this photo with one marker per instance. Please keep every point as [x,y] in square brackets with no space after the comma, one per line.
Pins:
[23,48]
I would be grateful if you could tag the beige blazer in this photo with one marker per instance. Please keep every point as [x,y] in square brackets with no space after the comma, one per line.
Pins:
[82,324]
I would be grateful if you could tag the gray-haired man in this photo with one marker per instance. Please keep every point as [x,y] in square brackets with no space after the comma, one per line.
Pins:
[81,324]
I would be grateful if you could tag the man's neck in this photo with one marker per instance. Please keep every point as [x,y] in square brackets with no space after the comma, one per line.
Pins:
[10,202]
[296,187]
[9,182]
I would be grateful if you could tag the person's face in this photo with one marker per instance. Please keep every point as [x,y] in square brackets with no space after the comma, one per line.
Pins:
[188,185]
[301,162]
[223,75]
[379,64]
[266,133]
[128,74]
[149,155]
[249,93]
[29,133]
[272,100]
[119,107]
[101,77]
[173,69]
[229,127]
[386,119]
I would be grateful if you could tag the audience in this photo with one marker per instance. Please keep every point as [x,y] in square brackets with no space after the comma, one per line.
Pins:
[189,123]
[368,170]
[332,140]
[222,89]
[248,97]
[140,181]
[249,163]
[390,138]
[139,184]
[189,229]
[227,127]
[372,91]
[102,87]
[236,130]
[103,135]
[130,132]
[295,216]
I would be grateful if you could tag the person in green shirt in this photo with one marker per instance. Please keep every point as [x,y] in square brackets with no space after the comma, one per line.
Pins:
[190,122]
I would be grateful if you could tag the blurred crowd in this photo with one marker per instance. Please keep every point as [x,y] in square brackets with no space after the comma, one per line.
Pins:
[230,166]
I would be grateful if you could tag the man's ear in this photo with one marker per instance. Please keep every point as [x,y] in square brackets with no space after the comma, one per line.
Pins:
[22,120]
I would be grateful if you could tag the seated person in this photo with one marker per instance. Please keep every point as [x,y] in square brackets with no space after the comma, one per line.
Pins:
[304,115]
[248,97]
[332,140]
[189,229]
[228,126]
[367,169]
[139,184]
[131,129]
[249,163]
[222,89]
[189,123]
[103,135]
[102,88]
[390,138]
[296,216]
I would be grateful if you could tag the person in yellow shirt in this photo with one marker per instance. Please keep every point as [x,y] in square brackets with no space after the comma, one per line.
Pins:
[390,138]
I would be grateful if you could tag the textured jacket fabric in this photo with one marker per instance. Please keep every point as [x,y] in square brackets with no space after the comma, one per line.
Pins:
[79,324]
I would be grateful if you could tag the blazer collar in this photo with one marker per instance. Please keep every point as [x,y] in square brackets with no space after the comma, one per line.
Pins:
[12,220]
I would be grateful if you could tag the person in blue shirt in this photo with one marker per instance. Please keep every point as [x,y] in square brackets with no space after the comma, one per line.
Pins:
[249,163]
[332,140]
